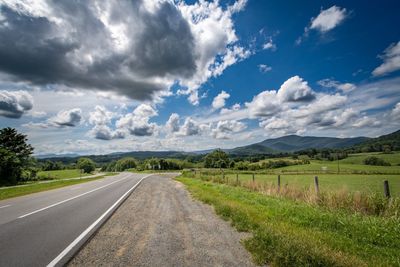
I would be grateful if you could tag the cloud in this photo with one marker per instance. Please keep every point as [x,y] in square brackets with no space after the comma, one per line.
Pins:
[269,45]
[295,89]
[225,128]
[326,21]
[137,123]
[137,49]
[64,118]
[264,104]
[267,103]
[367,122]
[100,116]
[69,118]
[38,114]
[396,111]
[391,60]
[103,132]
[172,124]
[219,100]
[190,127]
[215,42]
[264,68]
[13,104]
[344,87]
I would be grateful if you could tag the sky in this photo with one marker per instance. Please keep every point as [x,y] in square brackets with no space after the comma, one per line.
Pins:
[96,77]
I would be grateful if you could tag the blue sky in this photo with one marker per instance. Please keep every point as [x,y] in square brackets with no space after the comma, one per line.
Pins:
[194,75]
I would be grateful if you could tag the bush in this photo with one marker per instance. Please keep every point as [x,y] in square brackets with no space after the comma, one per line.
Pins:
[376,161]
[86,164]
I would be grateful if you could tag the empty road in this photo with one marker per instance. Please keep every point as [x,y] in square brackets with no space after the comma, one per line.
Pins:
[45,229]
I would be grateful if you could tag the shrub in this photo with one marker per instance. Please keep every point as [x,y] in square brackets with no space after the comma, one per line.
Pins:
[86,164]
[376,161]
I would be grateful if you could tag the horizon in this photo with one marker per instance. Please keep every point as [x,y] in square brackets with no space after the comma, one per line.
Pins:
[197,151]
[201,75]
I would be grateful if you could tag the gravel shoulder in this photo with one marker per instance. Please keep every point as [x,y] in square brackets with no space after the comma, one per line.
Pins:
[161,225]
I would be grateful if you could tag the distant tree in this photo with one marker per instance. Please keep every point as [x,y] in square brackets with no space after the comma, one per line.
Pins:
[124,164]
[216,159]
[15,155]
[376,161]
[86,164]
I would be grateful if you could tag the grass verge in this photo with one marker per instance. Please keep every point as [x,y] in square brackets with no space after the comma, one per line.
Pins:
[290,233]
[39,187]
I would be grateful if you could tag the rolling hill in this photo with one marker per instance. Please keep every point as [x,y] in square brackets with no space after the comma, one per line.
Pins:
[292,143]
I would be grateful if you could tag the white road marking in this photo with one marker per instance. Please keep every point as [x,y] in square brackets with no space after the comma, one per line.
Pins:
[5,206]
[92,226]
[69,199]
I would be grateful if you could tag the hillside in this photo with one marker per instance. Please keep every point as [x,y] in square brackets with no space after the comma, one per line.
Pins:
[389,141]
[292,143]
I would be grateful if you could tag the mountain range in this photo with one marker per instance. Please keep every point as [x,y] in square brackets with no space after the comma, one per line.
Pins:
[285,144]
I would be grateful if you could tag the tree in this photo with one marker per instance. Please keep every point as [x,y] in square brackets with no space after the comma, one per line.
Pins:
[216,159]
[125,163]
[86,164]
[376,161]
[15,155]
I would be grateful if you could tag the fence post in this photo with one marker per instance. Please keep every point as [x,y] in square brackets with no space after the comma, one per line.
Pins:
[316,184]
[279,182]
[223,176]
[253,177]
[200,175]
[237,178]
[386,188]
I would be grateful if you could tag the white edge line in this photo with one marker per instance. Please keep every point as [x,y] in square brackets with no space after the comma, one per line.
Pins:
[69,199]
[5,206]
[92,226]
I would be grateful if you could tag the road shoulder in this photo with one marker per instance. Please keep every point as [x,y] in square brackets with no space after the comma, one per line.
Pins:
[161,225]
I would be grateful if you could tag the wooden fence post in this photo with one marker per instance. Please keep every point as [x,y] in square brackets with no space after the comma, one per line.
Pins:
[279,182]
[386,188]
[253,177]
[316,184]
[237,178]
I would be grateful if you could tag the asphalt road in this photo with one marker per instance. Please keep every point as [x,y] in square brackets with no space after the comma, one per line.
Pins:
[47,228]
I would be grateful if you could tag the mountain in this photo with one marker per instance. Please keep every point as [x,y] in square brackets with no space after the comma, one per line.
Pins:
[46,156]
[292,143]
[380,143]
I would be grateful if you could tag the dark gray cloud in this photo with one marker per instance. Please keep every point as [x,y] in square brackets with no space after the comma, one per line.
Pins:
[122,47]
[15,103]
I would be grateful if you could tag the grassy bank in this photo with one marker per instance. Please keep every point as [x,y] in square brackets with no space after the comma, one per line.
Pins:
[39,187]
[60,174]
[292,233]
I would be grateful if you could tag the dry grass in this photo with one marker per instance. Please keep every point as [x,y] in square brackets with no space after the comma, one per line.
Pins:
[343,199]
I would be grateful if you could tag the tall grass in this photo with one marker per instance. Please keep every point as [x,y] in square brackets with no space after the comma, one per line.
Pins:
[370,203]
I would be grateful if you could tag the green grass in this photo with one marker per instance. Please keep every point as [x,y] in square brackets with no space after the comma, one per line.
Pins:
[61,174]
[344,166]
[392,158]
[292,233]
[39,187]
[368,183]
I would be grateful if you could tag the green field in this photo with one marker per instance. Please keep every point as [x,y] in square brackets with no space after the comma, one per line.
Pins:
[352,164]
[292,233]
[61,174]
[351,182]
